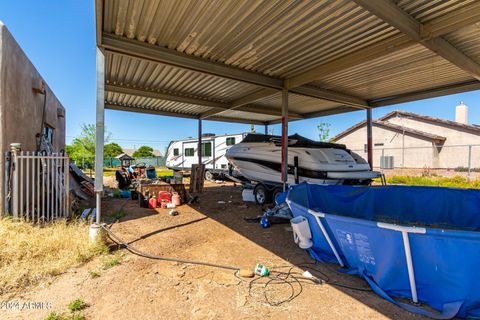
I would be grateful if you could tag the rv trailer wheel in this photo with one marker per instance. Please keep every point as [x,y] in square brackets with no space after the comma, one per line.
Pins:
[262,194]
[209,176]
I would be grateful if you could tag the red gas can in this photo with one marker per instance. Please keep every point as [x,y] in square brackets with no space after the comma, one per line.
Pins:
[152,203]
[164,196]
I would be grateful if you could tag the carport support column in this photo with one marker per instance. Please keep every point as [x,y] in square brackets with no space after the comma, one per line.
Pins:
[369,138]
[199,146]
[284,138]
[95,229]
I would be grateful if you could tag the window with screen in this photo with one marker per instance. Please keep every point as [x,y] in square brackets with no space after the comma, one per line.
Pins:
[189,152]
[207,149]
[230,141]
[175,152]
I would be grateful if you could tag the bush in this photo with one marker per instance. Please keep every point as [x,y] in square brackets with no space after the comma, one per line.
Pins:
[454,182]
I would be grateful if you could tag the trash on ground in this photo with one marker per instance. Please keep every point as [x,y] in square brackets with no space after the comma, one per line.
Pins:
[261,270]
[247,195]
[245,273]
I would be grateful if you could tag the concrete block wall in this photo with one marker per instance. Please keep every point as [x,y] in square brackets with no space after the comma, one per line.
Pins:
[21,107]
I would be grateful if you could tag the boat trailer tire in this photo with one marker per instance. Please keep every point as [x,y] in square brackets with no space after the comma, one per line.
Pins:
[262,194]
[276,192]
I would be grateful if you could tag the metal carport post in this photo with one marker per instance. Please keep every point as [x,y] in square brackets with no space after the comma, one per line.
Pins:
[99,140]
[284,138]
[370,138]
[199,144]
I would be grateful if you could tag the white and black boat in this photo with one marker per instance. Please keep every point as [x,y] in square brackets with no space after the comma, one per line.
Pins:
[258,158]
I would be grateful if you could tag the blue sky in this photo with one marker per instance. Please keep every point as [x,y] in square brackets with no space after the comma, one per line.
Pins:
[59,38]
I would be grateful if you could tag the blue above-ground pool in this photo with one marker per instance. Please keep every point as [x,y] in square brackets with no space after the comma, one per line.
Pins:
[417,243]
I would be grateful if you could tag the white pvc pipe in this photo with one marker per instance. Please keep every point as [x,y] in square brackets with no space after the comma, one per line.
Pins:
[317,216]
[408,253]
[411,274]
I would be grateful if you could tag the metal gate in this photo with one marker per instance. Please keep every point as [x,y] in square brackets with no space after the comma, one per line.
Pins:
[39,186]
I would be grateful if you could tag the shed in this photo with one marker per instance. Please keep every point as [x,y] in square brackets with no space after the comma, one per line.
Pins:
[125,160]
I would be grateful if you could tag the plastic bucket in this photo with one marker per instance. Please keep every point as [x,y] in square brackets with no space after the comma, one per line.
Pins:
[301,232]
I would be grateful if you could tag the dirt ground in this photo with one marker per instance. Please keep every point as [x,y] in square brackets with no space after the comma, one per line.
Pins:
[141,288]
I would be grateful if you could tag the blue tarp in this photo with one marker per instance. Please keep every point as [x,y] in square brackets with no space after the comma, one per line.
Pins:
[446,258]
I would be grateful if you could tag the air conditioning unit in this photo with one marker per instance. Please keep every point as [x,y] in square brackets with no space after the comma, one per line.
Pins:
[386,162]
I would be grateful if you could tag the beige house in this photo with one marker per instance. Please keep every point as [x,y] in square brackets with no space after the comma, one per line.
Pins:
[412,140]
[156,153]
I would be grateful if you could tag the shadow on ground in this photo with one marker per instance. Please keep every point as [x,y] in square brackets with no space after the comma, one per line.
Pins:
[223,204]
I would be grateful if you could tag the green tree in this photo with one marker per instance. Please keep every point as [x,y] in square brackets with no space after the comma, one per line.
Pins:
[112,150]
[143,151]
[82,149]
[323,131]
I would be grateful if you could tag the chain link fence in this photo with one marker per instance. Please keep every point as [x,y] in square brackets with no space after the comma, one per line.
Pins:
[462,160]
[87,163]
[148,161]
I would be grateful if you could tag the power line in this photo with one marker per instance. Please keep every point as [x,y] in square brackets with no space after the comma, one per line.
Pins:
[132,140]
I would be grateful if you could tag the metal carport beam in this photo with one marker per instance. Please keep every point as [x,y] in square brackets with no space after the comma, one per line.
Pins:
[112,106]
[218,107]
[134,48]
[396,17]
[249,98]
[163,95]
[331,96]
[309,91]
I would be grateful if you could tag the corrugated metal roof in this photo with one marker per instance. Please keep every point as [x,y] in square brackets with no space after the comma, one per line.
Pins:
[407,70]
[467,40]
[297,103]
[280,39]
[153,104]
[426,10]
[139,73]
[247,115]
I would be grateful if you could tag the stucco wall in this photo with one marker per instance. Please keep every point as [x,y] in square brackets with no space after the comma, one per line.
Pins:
[392,145]
[418,153]
[20,107]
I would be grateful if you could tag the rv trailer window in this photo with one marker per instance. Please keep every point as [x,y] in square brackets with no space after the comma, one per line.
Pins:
[175,152]
[230,141]
[189,152]
[207,149]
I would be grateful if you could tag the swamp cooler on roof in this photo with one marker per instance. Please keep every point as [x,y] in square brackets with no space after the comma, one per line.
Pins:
[418,243]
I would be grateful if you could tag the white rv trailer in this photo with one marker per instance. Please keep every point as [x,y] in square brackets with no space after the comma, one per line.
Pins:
[181,154]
